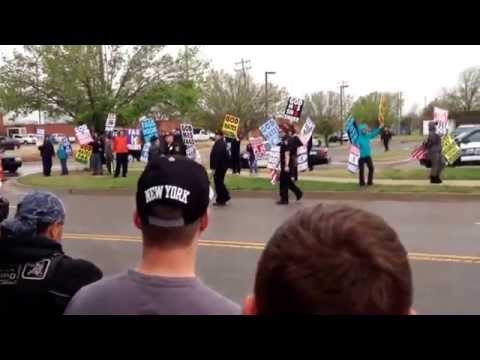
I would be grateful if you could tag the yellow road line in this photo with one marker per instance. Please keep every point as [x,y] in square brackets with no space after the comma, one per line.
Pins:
[260,246]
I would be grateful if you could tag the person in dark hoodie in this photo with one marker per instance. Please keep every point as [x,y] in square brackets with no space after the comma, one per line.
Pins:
[219,165]
[36,277]
[434,146]
[47,152]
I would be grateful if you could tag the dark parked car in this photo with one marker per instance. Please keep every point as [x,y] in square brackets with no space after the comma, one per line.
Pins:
[318,154]
[7,143]
[11,164]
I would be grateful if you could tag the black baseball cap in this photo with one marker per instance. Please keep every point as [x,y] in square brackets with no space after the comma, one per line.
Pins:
[177,182]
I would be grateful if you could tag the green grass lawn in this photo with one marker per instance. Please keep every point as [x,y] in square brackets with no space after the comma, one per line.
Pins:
[392,155]
[85,181]
[420,173]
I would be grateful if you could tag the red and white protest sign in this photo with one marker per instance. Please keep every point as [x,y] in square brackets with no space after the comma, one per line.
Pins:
[353,157]
[83,135]
[259,149]
[440,116]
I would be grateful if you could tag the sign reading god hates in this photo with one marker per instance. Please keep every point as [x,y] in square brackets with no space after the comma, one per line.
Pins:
[294,109]
[187,134]
[83,154]
[230,126]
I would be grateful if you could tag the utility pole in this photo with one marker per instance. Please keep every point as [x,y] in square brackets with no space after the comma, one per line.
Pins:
[342,86]
[399,108]
[245,66]
[266,91]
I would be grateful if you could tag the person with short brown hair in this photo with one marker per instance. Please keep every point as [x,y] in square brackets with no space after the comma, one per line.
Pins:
[172,212]
[330,260]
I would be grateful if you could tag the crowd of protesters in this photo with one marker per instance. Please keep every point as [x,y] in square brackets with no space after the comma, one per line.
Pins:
[360,268]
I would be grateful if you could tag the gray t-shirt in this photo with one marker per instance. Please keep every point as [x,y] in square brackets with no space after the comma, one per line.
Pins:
[134,293]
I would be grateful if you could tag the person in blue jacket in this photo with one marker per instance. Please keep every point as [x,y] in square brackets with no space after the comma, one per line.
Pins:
[363,142]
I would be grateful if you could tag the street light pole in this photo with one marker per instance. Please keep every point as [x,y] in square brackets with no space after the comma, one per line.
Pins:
[266,90]
[342,86]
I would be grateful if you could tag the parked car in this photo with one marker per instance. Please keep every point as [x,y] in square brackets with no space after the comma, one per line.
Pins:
[336,137]
[201,135]
[11,164]
[318,154]
[469,143]
[57,138]
[7,143]
[464,129]
[26,138]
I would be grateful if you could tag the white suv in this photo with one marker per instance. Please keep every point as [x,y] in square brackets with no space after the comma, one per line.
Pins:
[25,139]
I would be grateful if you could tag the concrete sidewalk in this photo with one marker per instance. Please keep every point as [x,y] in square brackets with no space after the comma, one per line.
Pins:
[426,182]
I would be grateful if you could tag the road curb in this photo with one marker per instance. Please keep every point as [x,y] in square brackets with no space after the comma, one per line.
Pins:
[308,195]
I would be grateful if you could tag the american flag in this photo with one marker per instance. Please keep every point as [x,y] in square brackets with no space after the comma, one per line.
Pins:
[418,153]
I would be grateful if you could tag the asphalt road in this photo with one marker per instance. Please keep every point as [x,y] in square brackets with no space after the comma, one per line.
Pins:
[441,237]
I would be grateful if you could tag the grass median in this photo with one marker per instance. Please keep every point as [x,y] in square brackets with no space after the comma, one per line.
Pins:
[84,181]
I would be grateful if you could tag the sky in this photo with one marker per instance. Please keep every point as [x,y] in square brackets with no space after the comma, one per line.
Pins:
[418,71]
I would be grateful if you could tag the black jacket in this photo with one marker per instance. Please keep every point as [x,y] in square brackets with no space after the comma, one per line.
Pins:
[219,156]
[37,278]
[47,150]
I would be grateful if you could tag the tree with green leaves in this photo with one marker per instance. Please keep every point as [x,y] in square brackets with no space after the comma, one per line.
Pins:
[365,109]
[324,109]
[243,97]
[87,82]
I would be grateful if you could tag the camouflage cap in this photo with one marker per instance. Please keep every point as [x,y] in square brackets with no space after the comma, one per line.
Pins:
[44,207]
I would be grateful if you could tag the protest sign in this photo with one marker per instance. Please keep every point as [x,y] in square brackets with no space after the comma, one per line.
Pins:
[187,134]
[258,147]
[83,135]
[352,130]
[110,122]
[230,126]
[307,131]
[353,157]
[67,146]
[294,108]
[381,111]
[302,158]
[450,150]
[271,132]
[40,136]
[133,136]
[145,151]
[274,158]
[440,116]
[149,129]
[83,154]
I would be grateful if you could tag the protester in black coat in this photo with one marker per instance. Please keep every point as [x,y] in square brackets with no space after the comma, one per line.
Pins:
[287,162]
[235,152]
[39,279]
[386,136]
[219,165]
[47,152]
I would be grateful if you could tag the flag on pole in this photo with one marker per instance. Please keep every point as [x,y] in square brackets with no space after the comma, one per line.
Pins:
[381,110]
